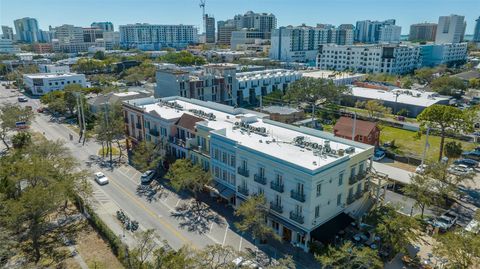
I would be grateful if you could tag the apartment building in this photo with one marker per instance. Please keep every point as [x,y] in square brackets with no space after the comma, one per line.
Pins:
[450,54]
[7,32]
[155,37]
[422,32]
[224,31]
[27,30]
[209,24]
[450,29]
[389,59]
[377,31]
[307,176]
[301,43]
[221,83]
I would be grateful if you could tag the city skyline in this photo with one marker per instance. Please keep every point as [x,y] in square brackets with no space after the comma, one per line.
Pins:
[287,12]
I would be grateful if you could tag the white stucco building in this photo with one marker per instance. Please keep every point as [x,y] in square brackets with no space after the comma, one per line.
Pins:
[389,59]
[42,83]
[307,176]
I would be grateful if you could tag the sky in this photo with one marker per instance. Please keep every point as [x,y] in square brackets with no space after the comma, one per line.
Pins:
[288,12]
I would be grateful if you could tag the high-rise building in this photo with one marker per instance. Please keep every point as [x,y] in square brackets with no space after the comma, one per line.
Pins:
[300,43]
[27,30]
[224,31]
[372,31]
[262,22]
[209,22]
[389,34]
[92,34]
[450,54]
[476,32]
[422,32]
[154,37]
[450,29]
[106,26]
[68,33]
[7,32]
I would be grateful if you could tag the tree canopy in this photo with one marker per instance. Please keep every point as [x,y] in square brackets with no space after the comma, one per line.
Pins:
[253,213]
[183,58]
[146,156]
[184,175]
[349,256]
[313,90]
[446,118]
[461,249]
[10,114]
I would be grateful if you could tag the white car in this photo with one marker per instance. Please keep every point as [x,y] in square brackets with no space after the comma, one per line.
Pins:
[147,176]
[100,178]
[460,170]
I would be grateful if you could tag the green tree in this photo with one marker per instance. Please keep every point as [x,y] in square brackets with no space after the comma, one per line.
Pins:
[396,230]
[183,58]
[446,184]
[216,257]
[453,149]
[184,175]
[403,112]
[444,119]
[349,256]
[425,75]
[169,259]
[461,249]
[447,85]
[99,55]
[8,245]
[146,156]
[109,128]
[145,247]
[21,140]
[69,96]
[10,114]
[253,213]
[376,109]
[44,177]
[312,90]
[420,189]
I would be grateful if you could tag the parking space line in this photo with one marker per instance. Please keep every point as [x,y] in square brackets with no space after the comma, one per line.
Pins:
[240,245]
[211,226]
[225,236]
[178,202]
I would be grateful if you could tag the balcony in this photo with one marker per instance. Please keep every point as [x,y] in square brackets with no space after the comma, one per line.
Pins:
[359,194]
[352,179]
[243,171]
[276,207]
[243,190]
[153,132]
[138,125]
[297,196]
[260,179]
[350,199]
[297,217]
[276,186]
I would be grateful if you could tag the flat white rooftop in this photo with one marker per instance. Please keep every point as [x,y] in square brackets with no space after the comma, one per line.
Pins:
[277,141]
[405,96]
[331,74]
[52,75]
[271,73]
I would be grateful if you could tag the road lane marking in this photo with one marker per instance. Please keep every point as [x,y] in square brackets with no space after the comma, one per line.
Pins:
[150,212]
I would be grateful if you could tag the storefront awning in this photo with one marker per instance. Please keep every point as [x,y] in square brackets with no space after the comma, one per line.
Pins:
[222,190]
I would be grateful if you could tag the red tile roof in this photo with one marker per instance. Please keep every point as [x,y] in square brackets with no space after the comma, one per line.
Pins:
[344,126]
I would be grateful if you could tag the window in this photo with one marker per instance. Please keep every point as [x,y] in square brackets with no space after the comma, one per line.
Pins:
[224,158]
[340,179]
[319,189]
[317,211]
[352,171]
[215,154]
[244,164]
[217,172]
[300,188]
[260,190]
[339,199]
[261,172]
[232,160]
[360,169]
[279,179]
[224,175]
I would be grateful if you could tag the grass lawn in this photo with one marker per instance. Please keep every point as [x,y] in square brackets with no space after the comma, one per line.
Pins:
[94,250]
[408,144]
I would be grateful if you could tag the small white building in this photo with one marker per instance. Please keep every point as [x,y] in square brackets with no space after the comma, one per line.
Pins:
[52,68]
[42,83]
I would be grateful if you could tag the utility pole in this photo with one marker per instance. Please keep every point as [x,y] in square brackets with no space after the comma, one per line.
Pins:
[79,117]
[83,121]
[425,148]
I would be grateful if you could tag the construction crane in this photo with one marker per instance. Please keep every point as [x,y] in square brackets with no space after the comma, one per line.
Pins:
[202,6]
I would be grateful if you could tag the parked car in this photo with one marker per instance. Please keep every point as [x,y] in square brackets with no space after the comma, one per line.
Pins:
[473,227]
[378,155]
[100,178]
[467,162]
[22,99]
[421,169]
[445,221]
[474,154]
[146,177]
[460,170]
